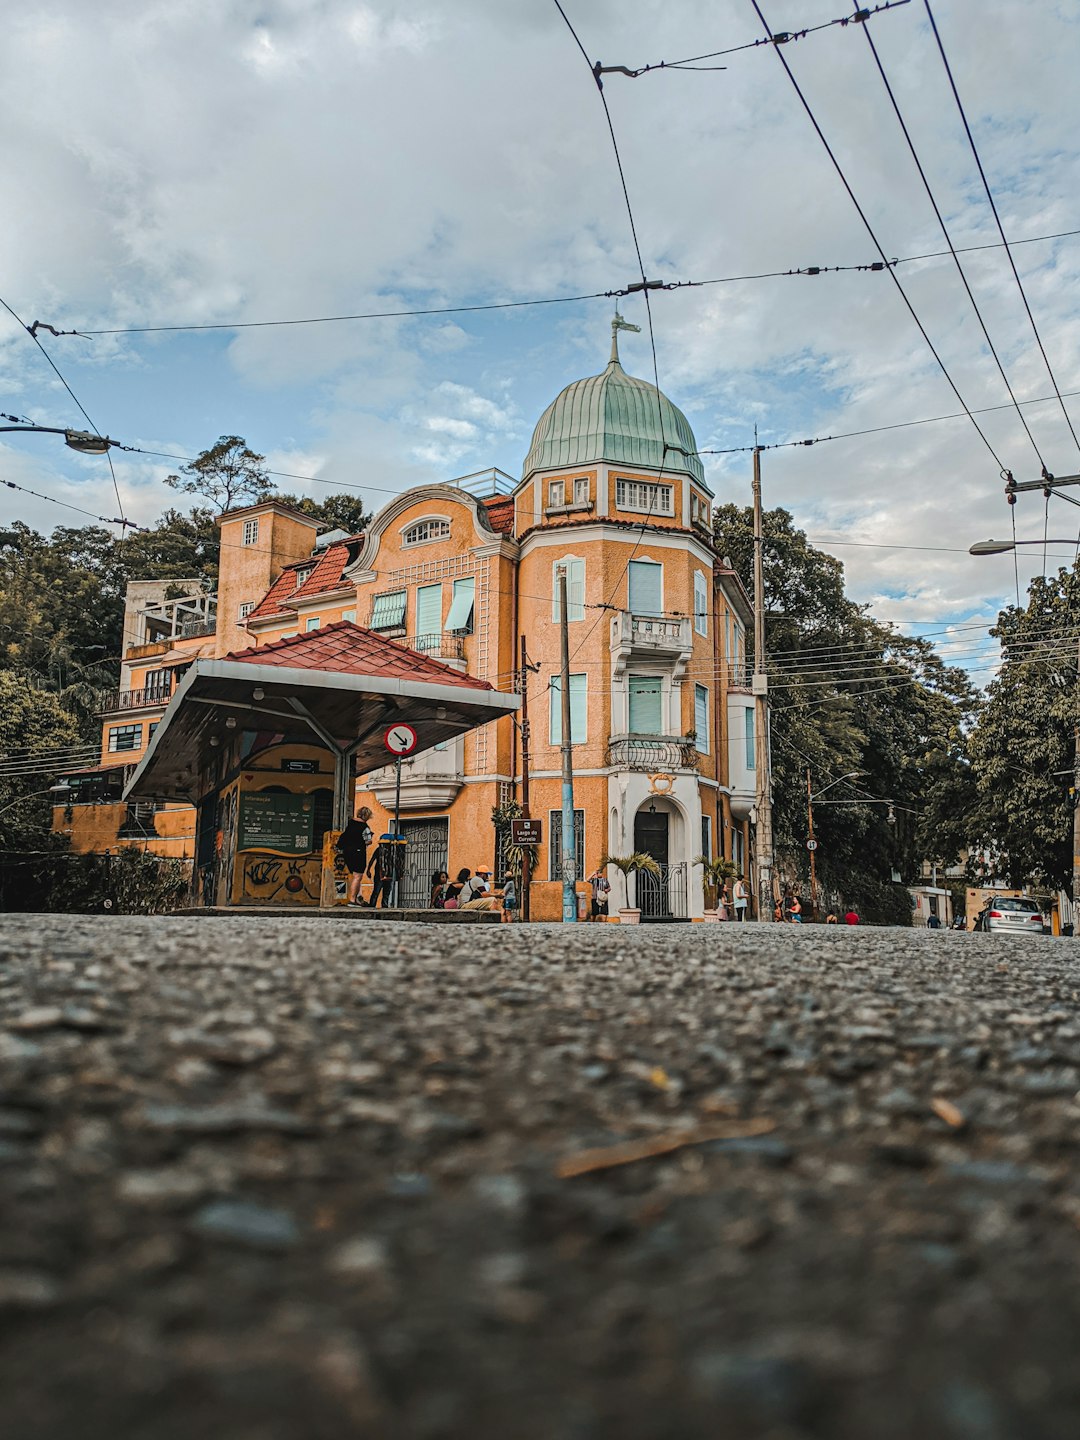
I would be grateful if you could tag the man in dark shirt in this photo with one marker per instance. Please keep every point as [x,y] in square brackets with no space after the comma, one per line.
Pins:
[388,863]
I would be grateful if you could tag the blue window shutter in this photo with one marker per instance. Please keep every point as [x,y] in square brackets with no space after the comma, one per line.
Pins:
[578,709]
[461,607]
[701,604]
[646,585]
[646,705]
[701,718]
[429,609]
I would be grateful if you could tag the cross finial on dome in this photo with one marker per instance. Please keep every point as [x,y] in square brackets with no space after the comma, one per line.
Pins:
[616,325]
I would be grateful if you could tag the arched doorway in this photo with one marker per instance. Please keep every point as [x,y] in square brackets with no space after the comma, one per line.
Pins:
[661,897]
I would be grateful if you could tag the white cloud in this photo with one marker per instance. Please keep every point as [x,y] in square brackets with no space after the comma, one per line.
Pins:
[297,160]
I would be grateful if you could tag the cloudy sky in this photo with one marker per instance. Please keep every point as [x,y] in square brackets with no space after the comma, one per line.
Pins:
[208,162]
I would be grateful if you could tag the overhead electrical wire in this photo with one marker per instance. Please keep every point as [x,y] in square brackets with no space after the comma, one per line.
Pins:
[877,244]
[31,330]
[997,219]
[867,267]
[948,240]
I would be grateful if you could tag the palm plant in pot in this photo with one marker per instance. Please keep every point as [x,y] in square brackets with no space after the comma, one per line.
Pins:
[714,875]
[630,865]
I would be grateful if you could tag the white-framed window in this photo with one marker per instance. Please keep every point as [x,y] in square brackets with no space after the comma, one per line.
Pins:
[581,491]
[699,510]
[349,615]
[304,575]
[251,532]
[555,845]
[428,609]
[701,603]
[124,737]
[388,610]
[645,704]
[158,682]
[751,754]
[578,709]
[244,609]
[312,623]
[645,587]
[556,494]
[701,719]
[575,590]
[424,531]
[459,620]
[642,497]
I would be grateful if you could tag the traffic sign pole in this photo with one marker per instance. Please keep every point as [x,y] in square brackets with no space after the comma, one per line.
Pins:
[400,740]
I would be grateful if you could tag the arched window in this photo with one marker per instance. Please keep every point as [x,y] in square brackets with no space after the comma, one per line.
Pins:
[423,531]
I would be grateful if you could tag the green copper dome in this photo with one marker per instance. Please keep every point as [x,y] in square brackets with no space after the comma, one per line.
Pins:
[613,416]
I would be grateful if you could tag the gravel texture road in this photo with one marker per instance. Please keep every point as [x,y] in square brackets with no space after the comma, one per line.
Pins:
[290,1179]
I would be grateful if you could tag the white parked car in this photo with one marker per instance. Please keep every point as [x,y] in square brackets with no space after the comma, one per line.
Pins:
[1009,916]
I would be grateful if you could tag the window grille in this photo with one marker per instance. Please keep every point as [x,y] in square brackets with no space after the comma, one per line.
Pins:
[641,497]
[555,847]
[388,610]
[425,530]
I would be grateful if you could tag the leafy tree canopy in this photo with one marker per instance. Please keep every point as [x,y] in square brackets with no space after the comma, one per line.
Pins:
[848,694]
[229,475]
[1023,747]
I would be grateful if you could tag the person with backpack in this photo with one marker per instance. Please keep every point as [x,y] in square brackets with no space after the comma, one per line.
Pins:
[388,863]
[476,893]
[352,846]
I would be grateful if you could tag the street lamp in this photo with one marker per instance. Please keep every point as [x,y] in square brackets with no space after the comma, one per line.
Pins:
[998,547]
[84,441]
[59,792]
[1001,547]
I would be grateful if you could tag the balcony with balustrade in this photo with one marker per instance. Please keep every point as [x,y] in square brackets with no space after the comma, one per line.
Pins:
[151,698]
[666,638]
[651,753]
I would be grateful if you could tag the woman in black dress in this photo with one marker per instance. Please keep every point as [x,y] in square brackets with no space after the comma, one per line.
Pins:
[353,845]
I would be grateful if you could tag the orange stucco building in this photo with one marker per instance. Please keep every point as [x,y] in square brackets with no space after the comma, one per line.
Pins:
[612,491]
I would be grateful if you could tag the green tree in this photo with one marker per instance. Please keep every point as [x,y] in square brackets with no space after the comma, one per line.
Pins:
[340,512]
[33,723]
[1023,746]
[850,694]
[229,475]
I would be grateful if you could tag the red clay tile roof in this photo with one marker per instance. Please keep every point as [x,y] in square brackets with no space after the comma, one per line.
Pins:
[348,649]
[326,575]
[500,513]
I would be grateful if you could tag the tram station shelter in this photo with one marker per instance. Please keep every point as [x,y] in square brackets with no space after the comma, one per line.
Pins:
[267,743]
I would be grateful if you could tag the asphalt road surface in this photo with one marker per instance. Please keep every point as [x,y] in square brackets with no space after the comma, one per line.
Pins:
[291,1179]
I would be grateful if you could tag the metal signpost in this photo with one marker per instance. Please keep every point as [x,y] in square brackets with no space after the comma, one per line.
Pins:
[400,740]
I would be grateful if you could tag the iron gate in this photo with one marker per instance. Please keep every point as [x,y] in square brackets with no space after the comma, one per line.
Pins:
[426,850]
[662,896]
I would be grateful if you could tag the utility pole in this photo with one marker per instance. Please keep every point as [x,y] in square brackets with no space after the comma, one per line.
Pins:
[1076,795]
[569,846]
[526,878]
[811,845]
[763,833]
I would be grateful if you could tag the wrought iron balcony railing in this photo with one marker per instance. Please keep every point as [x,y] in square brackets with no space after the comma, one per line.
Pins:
[134,699]
[651,753]
[438,645]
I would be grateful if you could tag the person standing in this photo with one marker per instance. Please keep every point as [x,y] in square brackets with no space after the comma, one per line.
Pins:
[933,923]
[388,863]
[741,895]
[353,845]
[723,902]
[599,887]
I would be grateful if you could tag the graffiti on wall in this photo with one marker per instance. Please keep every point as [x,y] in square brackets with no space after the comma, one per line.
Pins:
[272,879]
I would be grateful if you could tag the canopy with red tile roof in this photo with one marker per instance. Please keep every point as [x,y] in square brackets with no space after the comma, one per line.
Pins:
[341,682]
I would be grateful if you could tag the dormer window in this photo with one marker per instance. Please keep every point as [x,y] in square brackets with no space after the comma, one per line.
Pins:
[304,575]
[426,530]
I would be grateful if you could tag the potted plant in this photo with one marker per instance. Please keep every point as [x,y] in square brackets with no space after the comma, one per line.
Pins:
[629,865]
[714,874]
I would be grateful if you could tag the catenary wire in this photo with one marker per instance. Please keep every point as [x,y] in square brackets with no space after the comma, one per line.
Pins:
[948,240]
[874,266]
[876,242]
[32,332]
[997,219]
